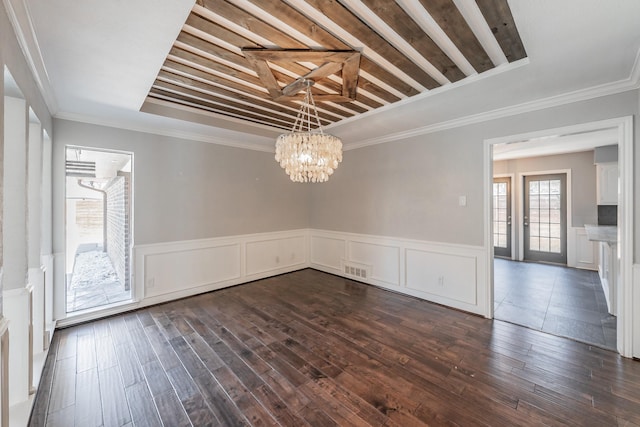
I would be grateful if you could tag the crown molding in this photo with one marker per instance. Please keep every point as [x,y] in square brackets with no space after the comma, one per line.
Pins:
[630,83]
[191,136]
[31,51]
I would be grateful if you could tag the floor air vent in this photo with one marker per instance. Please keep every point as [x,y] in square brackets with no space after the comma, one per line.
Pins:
[357,270]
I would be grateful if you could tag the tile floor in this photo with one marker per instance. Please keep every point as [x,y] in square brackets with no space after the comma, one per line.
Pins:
[94,282]
[559,300]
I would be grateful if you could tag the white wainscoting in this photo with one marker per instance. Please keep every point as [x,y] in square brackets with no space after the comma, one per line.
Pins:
[167,271]
[17,310]
[581,252]
[47,262]
[36,279]
[447,274]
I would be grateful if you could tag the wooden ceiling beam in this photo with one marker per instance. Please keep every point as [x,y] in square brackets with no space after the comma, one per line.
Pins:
[350,67]
[213,65]
[186,69]
[174,66]
[449,18]
[215,108]
[212,49]
[332,62]
[300,22]
[239,106]
[339,14]
[196,84]
[200,23]
[391,13]
[209,67]
[318,91]
[251,23]
[500,20]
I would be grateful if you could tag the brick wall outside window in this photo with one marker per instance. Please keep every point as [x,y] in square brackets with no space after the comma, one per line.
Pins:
[118,224]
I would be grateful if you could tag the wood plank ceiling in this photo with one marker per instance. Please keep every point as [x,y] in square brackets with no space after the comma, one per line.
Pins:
[404,47]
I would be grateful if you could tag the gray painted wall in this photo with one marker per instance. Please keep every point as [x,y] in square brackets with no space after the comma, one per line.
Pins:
[410,188]
[583,180]
[186,190]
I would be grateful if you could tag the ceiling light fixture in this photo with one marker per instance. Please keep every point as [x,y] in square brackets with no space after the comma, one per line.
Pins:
[306,154]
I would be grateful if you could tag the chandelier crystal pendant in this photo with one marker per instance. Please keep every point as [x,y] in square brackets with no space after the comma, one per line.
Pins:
[306,154]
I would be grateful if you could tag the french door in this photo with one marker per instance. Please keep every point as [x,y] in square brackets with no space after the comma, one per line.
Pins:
[502,217]
[545,218]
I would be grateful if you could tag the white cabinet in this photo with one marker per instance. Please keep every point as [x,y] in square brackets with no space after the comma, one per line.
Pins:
[608,271]
[607,183]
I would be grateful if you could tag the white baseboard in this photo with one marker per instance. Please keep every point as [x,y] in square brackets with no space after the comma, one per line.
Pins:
[635,282]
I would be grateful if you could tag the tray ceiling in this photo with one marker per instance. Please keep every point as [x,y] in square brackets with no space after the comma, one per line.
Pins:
[234,58]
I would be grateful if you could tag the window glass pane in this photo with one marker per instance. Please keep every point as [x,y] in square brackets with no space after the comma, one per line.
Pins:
[533,187]
[555,186]
[534,201]
[544,201]
[544,187]
[544,215]
[544,245]
[502,227]
[534,243]
[554,216]
[502,202]
[534,215]
[503,241]
[495,239]
[555,246]
[554,230]
[534,229]
[502,215]
[554,201]
[544,230]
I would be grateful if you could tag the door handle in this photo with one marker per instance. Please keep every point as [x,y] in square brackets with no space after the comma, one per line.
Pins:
[526,222]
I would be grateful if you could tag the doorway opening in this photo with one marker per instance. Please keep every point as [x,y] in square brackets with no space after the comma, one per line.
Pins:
[581,267]
[98,188]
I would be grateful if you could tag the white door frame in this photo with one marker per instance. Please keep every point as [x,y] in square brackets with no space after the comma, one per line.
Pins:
[624,126]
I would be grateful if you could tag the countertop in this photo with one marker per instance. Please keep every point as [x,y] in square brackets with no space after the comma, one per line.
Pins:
[602,233]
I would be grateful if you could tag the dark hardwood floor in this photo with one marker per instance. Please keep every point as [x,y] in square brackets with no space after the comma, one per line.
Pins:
[308,348]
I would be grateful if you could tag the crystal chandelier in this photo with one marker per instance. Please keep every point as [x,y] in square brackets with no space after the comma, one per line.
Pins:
[308,155]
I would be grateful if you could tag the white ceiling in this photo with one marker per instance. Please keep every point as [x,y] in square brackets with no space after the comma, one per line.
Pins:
[101,58]
[556,144]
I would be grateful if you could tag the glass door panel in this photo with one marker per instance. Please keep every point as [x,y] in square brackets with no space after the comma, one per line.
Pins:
[502,217]
[545,225]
